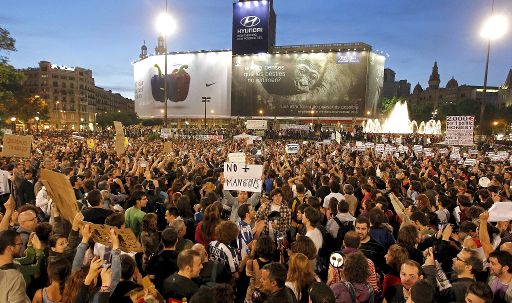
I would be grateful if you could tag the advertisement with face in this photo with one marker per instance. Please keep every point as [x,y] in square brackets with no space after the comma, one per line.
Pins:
[250,27]
[190,77]
[329,84]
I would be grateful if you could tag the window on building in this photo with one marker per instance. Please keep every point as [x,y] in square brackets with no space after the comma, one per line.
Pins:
[55,84]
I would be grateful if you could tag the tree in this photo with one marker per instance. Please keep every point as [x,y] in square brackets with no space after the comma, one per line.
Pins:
[388,104]
[105,120]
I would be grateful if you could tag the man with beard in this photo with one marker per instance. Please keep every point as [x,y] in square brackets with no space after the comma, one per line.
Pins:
[410,273]
[370,247]
[12,284]
[500,267]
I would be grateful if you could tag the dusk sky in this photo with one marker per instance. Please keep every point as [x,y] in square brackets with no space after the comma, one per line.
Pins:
[106,36]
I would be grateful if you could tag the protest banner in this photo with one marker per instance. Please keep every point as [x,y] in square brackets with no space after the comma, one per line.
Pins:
[236,157]
[292,148]
[459,130]
[119,128]
[127,240]
[90,143]
[338,137]
[61,192]
[17,146]
[500,211]
[256,124]
[242,177]
[167,148]
[166,133]
[120,146]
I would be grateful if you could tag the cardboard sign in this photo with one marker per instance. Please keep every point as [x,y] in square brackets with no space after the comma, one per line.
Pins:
[61,192]
[242,177]
[167,148]
[127,240]
[119,128]
[338,137]
[236,157]
[256,124]
[17,146]
[292,148]
[90,143]
[119,145]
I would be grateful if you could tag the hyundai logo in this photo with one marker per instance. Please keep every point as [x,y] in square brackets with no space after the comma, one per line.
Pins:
[250,21]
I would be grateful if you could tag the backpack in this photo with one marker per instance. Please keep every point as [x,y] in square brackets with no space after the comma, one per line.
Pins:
[353,294]
[344,227]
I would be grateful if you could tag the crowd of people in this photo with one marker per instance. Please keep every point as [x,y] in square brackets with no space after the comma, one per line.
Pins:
[333,223]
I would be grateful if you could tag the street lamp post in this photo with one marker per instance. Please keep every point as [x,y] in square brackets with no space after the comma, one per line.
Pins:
[165,25]
[494,28]
[205,100]
[312,121]
[37,124]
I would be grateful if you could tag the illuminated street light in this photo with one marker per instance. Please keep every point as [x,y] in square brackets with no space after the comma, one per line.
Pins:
[37,123]
[494,28]
[165,25]
[13,121]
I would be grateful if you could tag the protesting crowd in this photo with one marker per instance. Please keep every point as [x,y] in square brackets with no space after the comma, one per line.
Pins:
[331,222]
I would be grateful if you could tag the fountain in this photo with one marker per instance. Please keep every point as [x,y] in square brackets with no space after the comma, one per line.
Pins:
[398,122]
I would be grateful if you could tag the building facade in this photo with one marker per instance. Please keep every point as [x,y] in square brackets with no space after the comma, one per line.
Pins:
[393,88]
[73,99]
[435,94]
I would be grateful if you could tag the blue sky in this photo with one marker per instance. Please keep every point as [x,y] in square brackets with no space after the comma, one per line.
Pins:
[106,36]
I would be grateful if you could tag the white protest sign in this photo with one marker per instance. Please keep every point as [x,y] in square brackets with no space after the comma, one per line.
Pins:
[165,133]
[370,145]
[418,148]
[242,177]
[459,130]
[326,141]
[292,148]
[469,162]
[338,137]
[256,124]
[500,211]
[236,157]
[379,147]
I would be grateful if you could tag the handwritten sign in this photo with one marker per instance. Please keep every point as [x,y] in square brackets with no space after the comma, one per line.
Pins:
[90,143]
[236,157]
[256,124]
[459,130]
[338,137]
[127,240]
[119,128]
[120,145]
[292,148]
[17,146]
[167,148]
[61,192]
[242,177]
[165,133]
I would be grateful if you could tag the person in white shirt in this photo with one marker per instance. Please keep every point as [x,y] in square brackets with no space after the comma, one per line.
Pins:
[311,219]
[335,192]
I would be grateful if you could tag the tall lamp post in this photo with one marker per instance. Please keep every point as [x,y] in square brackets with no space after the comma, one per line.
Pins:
[205,100]
[37,124]
[13,122]
[165,25]
[494,28]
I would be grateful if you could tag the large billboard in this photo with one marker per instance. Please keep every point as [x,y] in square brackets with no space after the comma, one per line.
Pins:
[329,84]
[190,77]
[251,27]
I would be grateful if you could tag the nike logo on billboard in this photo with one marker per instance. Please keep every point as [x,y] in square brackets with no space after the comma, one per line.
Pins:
[210,84]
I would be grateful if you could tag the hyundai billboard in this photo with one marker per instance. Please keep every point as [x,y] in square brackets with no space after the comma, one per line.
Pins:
[329,84]
[190,77]
[250,27]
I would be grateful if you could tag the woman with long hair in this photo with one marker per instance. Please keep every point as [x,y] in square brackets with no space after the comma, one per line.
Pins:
[205,230]
[261,255]
[149,237]
[58,272]
[395,257]
[356,272]
[409,238]
[300,276]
